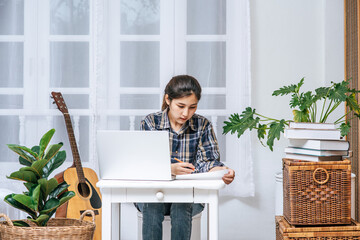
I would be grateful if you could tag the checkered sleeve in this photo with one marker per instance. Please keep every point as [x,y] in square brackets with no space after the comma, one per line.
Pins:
[147,124]
[208,154]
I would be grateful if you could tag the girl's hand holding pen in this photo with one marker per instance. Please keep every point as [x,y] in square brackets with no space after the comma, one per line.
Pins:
[181,168]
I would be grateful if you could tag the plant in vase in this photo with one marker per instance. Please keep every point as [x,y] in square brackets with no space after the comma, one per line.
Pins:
[307,107]
[43,195]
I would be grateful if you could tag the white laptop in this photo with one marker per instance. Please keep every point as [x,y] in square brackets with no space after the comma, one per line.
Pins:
[134,155]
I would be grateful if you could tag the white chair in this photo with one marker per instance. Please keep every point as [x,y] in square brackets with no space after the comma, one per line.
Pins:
[195,230]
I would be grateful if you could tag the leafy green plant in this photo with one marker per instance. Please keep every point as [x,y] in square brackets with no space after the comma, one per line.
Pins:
[43,196]
[307,107]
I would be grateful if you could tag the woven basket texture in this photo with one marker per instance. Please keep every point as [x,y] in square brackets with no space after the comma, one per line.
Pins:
[56,229]
[317,193]
[285,231]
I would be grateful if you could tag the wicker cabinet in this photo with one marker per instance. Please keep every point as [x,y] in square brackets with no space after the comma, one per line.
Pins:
[286,231]
[317,193]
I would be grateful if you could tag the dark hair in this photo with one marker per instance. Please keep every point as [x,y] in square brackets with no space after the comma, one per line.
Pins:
[181,86]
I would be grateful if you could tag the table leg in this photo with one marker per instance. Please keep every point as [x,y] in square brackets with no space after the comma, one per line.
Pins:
[213,216]
[106,214]
[116,221]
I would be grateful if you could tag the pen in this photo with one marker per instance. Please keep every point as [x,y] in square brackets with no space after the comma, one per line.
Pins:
[182,162]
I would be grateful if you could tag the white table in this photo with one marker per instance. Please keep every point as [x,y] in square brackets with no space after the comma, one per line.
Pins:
[196,191]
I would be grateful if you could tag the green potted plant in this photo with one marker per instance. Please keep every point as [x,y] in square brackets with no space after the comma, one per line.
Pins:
[307,107]
[43,195]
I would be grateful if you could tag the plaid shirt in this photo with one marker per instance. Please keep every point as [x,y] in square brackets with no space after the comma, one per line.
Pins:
[195,142]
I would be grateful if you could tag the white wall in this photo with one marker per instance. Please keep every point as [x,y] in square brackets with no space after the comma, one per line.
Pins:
[290,39]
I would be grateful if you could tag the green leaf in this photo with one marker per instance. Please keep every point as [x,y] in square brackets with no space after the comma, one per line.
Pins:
[23,161]
[20,223]
[31,169]
[24,152]
[306,100]
[321,92]
[53,150]
[338,92]
[47,186]
[298,86]
[10,200]
[66,196]
[36,149]
[285,90]
[276,128]
[261,131]
[301,116]
[29,185]
[294,101]
[27,176]
[289,89]
[62,187]
[41,220]
[54,163]
[44,142]
[241,123]
[345,129]
[50,205]
[26,201]
[40,164]
[352,103]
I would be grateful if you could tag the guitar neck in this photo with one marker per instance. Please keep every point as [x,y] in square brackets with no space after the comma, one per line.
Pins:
[74,148]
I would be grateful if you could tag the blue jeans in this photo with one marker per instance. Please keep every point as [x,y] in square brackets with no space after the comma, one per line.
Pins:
[180,214]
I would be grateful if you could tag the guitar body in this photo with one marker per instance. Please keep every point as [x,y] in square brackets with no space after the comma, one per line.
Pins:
[81,202]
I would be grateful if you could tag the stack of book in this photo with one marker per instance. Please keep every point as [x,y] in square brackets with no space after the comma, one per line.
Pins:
[315,142]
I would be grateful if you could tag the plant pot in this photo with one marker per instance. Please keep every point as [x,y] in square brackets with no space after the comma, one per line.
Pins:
[57,228]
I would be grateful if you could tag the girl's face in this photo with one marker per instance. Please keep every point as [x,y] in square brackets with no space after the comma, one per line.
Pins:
[181,109]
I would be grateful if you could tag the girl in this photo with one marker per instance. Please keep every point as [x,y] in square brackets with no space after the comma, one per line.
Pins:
[193,141]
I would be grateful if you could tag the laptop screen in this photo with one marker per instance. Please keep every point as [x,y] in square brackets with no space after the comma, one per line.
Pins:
[134,155]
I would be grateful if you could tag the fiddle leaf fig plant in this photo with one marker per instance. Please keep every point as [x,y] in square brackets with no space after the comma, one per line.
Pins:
[43,195]
[310,106]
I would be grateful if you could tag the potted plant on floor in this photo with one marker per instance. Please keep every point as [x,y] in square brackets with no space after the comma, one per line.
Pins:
[314,107]
[43,195]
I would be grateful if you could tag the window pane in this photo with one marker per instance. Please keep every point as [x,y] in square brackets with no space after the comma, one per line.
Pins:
[11,17]
[69,64]
[125,123]
[140,17]
[212,101]
[139,64]
[83,141]
[11,101]
[69,17]
[139,101]
[9,128]
[74,101]
[11,64]
[206,17]
[206,61]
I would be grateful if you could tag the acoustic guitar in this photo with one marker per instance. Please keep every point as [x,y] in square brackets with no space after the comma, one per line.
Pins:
[81,180]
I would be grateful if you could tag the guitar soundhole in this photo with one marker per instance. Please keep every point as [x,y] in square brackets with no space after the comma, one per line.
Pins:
[83,190]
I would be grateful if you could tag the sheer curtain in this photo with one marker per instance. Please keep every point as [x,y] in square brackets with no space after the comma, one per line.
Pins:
[141,44]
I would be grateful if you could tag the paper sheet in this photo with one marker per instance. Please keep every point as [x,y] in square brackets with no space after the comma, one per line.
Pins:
[203,176]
